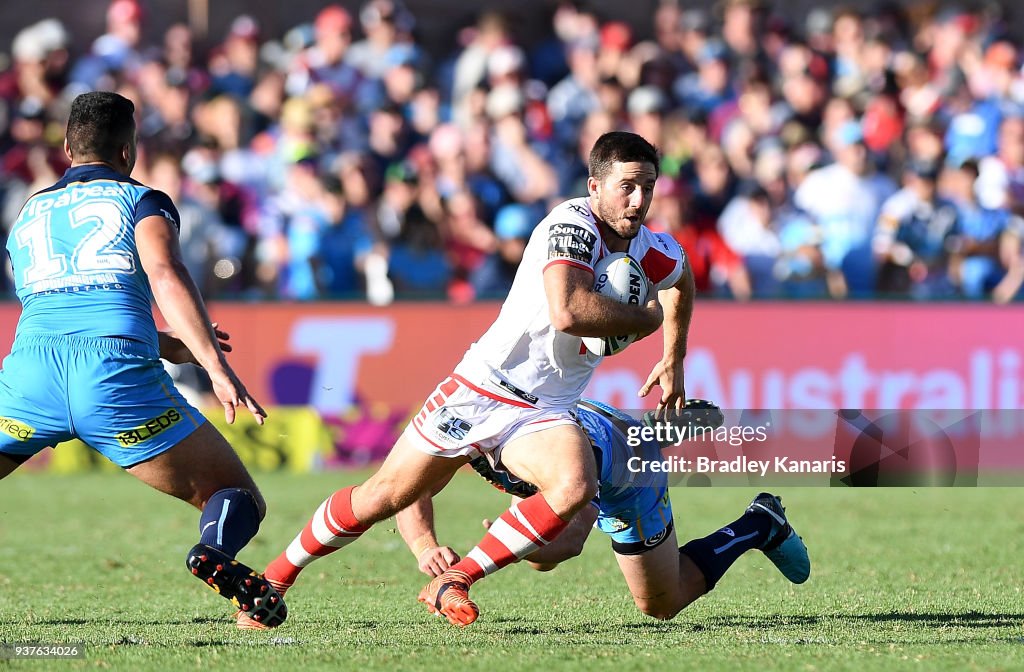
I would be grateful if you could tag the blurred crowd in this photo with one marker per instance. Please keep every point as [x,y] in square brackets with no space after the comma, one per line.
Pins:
[871,151]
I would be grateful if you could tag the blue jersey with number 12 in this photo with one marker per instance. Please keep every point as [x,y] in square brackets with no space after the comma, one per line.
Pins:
[76,265]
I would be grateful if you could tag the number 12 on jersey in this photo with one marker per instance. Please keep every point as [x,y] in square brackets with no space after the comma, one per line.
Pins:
[98,227]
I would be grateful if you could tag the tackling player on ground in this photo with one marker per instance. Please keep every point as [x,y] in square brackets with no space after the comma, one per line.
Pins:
[635,511]
[513,396]
[89,255]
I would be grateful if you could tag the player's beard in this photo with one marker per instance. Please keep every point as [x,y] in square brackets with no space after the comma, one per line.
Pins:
[608,217]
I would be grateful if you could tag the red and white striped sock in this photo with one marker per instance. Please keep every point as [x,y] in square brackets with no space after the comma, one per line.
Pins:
[332,527]
[525,527]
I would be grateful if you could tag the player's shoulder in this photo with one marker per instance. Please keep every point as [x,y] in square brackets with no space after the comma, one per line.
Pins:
[570,234]
[575,211]
[661,257]
[661,242]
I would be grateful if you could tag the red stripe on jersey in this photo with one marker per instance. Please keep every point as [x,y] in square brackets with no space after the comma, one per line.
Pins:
[657,266]
[540,422]
[448,387]
[490,395]
[567,261]
[438,399]
[430,406]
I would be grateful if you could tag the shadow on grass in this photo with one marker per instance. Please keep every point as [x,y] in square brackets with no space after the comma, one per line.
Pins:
[196,620]
[968,619]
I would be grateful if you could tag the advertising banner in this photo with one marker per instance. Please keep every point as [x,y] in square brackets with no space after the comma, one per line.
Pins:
[365,370]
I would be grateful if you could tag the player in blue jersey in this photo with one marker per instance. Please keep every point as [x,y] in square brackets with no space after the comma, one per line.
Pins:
[635,511]
[89,256]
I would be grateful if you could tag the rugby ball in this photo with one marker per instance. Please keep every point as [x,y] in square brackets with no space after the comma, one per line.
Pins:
[618,276]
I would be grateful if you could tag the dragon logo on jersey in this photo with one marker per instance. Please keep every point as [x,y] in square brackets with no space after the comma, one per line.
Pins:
[16,429]
[570,241]
[453,428]
[165,420]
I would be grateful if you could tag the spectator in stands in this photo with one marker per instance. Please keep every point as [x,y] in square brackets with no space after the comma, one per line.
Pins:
[910,242]
[576,96]
[116,51]
[843,200]
[512,227]
[233,66]
[985,242]
[740,101]
[386,24]
[708,87]
[324,62]
[1001,176]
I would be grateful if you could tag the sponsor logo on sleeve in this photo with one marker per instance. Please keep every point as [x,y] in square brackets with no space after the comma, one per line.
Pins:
[151,428]
[16,429]
[571,241]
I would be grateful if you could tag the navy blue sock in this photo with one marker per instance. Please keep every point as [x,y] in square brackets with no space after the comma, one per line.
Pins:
[229,520]
[715,553]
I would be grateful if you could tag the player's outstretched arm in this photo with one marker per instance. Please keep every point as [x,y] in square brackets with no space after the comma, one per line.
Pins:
[575,308]
[416,525]
[182,306]
[677,302]
[174,351]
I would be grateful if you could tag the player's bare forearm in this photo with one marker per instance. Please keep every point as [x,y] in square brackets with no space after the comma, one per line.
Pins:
[677,302]
[576,309]
[179,302]
[416,525]
[175,293]
[176,352]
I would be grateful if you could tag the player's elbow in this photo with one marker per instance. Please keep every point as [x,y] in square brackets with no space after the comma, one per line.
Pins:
[166,275]
[564,319]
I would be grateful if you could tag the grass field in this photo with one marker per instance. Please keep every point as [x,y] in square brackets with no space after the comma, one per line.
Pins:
[902,579]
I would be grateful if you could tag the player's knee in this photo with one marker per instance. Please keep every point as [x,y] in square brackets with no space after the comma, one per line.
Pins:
[543,566]
[200,500]
[380,498]
[573,494]
[261,504]
[662,611]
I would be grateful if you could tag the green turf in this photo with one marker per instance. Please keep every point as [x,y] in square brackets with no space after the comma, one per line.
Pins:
[902,579]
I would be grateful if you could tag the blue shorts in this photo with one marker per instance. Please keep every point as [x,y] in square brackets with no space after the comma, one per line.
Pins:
[112,393]
[637,519]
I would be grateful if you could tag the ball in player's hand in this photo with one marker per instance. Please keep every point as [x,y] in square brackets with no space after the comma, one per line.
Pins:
[620,277]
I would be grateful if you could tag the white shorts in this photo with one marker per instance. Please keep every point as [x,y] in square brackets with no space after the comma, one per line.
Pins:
[460,418]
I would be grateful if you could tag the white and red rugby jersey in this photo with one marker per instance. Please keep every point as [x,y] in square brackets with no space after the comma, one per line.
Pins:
[522,347]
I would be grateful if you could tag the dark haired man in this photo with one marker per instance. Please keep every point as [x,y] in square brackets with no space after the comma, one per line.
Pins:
[89,254]
[633,508]
[513,397]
